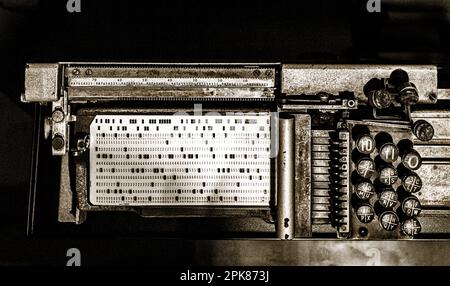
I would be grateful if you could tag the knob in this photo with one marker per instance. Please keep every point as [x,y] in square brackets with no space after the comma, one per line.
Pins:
[411,227]
[58,142]
[365,167]
[412,160]
[411,206]
[423,130]
[389,152]
[412,183]
[364,190]
[388,198]
[365,213]
[388,175]
[389,220]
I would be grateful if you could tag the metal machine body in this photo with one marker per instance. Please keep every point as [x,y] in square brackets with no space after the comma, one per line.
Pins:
[302,151]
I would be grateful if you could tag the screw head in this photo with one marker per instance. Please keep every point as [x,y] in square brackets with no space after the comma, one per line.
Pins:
[256,73]
[58,115]
[433,97]
[58,142]
[75,71]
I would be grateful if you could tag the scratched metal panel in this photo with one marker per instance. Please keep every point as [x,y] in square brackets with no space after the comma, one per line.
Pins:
[180,160]
[313,79]
[436,184]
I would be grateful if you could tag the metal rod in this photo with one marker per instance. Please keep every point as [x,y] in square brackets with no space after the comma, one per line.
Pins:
[285,194]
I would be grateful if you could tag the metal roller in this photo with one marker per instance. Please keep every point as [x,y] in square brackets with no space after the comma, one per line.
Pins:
[285,169]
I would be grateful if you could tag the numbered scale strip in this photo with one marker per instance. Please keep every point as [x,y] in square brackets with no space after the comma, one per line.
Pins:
[146,160]
[170,82]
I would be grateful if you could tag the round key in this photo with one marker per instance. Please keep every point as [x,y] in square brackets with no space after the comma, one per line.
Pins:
[388,176]
[389,152]
[364,190]
[412,160]
[365,213]
[411,227]
[389,220]
[380,99]
[365,167]
[365,144]
[388,198]
[412,183]
[58,142]
[411,206]
[423,130]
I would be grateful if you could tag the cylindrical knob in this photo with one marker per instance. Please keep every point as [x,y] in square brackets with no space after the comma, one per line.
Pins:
[58,142]
[364,190]
[380,99]
[365,213]
[389,152]
[408,94]
[412,160]
[412,183]
[411,206]
[423,130]
[411,227]
[365,167]
[365,144]
[388,198]
[388,176]
[58,115]
[389,220]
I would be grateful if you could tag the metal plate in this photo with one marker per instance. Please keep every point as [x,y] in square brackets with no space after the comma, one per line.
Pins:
[313,79]
[180,160]
[170,82]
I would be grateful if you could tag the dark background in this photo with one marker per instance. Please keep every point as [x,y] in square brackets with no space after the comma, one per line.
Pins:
[315,31]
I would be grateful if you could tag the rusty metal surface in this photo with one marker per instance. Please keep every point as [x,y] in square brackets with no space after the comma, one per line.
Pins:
[302,175]
[436,184]
[260,71]
[65,207]
[41,83]
[82,94]
[313,79]
[435,221]
[327,252]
